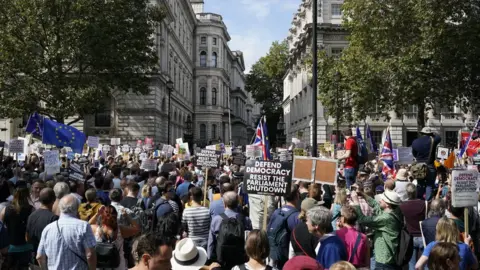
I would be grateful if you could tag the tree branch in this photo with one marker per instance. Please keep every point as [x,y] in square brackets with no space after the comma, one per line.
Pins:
[75,121]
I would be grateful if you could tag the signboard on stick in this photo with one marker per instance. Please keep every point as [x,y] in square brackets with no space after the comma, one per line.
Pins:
[93,141]
[464,188]
[267,177]
[16,146]
[52,162]
[208,158]
[149,165]
[316,170]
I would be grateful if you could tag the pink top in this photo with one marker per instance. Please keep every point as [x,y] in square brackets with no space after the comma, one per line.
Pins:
[349,238]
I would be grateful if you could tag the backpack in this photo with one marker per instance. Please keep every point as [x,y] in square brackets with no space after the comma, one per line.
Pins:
[108,255]
[230,247]
[362,152]
[420,170]
[278,236]
[405,246]
[87,210]
[153,212]
[143,217]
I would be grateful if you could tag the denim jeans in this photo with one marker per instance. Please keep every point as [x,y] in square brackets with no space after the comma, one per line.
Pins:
[350,176]
[417,249]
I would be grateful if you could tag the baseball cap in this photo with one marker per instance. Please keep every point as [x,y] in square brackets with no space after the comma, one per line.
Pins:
[302,263]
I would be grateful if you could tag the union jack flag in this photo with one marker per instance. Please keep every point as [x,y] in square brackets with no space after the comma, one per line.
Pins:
[387,155]
[261,138]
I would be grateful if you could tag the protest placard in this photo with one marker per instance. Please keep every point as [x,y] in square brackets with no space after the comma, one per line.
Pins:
[125,148]
[93,141]
[52,161]
[253,151]
[405,155]
[318,170]
[442,152]
[70,155]
[238,158]
[16,146]
[267,177]
[115,141]
[208,158]
[464,188]
[149,165]
[143,156]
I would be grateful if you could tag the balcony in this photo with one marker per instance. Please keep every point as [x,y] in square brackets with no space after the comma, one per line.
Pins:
[409,116]
[209,17]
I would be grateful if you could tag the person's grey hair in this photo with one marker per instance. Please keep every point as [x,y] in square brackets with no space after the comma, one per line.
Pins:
[437,208]
[411,190]
[230,199]
[61,189]
[160,180]
[59,178]
[69,205]
[320,216]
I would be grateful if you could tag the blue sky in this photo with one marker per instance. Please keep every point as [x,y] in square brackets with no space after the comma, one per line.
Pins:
[254,24]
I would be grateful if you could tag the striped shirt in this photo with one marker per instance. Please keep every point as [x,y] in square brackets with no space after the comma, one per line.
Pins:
[76,236]
[197,222]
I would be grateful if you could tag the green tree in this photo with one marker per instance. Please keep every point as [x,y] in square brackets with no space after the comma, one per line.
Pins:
[412,52]
[64,58]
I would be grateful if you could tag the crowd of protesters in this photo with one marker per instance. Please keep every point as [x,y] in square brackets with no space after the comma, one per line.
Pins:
[121,217]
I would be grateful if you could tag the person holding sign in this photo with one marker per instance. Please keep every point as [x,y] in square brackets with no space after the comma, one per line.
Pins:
[351,151]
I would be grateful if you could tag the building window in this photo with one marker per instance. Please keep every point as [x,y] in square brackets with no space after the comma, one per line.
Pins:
[164,104]
[214,41]
[203,132]
[337,52]
[203,96]
[203,59]
[103,119]
[377,136]
[451,139]
[214,96]
[203,40]
[339,139]
[214,59]
[336,9]
[214,132]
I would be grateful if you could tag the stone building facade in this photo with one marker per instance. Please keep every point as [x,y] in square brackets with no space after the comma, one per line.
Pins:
[297,103]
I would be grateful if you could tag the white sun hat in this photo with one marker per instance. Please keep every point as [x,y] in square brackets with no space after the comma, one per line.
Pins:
[187,256]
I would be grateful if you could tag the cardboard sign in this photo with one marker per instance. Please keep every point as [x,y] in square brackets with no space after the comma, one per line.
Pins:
[52,162]
[464,188]
[149,165]
[208,158]
[267,177]
[238,158]
[253,151]
[115,141]
[125,148]
[442,152]
[316,170]
[93,141]
[16,146]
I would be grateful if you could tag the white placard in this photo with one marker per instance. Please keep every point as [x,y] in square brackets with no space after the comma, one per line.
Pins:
[52,162]
[179,141]
[115,141]
[16,146]
[464,188]
[106,148]
[138,150]
[442,153]
[93,141]
[149,165]
[143,157]
[125,148]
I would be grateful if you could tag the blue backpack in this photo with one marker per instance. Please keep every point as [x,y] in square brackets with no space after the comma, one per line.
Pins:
[362,152]
[279,235]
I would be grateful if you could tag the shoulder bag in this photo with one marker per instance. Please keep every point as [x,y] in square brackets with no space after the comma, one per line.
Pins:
[68,247]
[420,170]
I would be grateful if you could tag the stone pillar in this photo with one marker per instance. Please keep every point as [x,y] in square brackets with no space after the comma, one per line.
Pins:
[209,90]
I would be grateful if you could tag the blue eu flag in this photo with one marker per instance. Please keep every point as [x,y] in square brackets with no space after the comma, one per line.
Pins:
[35,125]
[62,135]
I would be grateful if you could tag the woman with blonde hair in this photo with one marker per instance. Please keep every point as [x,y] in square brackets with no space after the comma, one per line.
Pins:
[447,232]
[339,201]
[342,265]
[146,195]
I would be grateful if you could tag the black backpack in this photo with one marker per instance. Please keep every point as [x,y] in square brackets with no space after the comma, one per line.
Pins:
[155,221]
[278,236]
[108,255]
[230,247]
[405,246]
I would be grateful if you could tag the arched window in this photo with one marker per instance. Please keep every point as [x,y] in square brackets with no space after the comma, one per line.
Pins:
[203,132]
[214,132]
[214,96]
[214,59]
[164,104]
[203,59]
[203,96]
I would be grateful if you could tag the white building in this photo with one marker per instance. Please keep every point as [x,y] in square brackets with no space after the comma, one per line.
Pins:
[297,103]
[208,87]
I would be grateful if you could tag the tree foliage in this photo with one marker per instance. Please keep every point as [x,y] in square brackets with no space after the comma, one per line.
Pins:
[265,80]
[411,52]
[64,57]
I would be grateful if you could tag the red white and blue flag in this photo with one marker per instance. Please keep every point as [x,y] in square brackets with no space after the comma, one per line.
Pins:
[261,138]
[387,155]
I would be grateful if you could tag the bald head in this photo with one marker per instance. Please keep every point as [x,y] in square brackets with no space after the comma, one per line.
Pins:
[390,185]
[69,205]
[47,197]
[230,199]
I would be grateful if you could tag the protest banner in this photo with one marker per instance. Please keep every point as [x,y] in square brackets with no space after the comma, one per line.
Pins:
[52,162]
[318,170]
[208,158]
[442,152]
[149,165]
[267,177]
[16,146]
[93,142]
[395,154]
[405,155]
[143,157]
[464,188]
[115,141]
[238,158]
[253,151]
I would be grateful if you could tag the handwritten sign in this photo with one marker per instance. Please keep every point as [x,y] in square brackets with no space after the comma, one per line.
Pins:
[464,188]
[93,141]
[267,177]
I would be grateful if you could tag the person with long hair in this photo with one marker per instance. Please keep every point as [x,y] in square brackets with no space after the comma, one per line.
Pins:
[257,249]
[447,232]
[106,228]
[444,256]
[339,201]
[15,217]
[302,242]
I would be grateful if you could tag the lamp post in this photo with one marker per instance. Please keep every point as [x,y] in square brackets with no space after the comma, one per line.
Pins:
[188,136]
[314,77]
[280,131]
[170,86]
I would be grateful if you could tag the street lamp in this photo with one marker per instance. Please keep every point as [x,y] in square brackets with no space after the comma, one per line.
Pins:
[188,124]
[170,86]
[281,131]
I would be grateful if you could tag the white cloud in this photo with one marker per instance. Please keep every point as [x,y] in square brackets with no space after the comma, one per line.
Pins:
[253,43]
